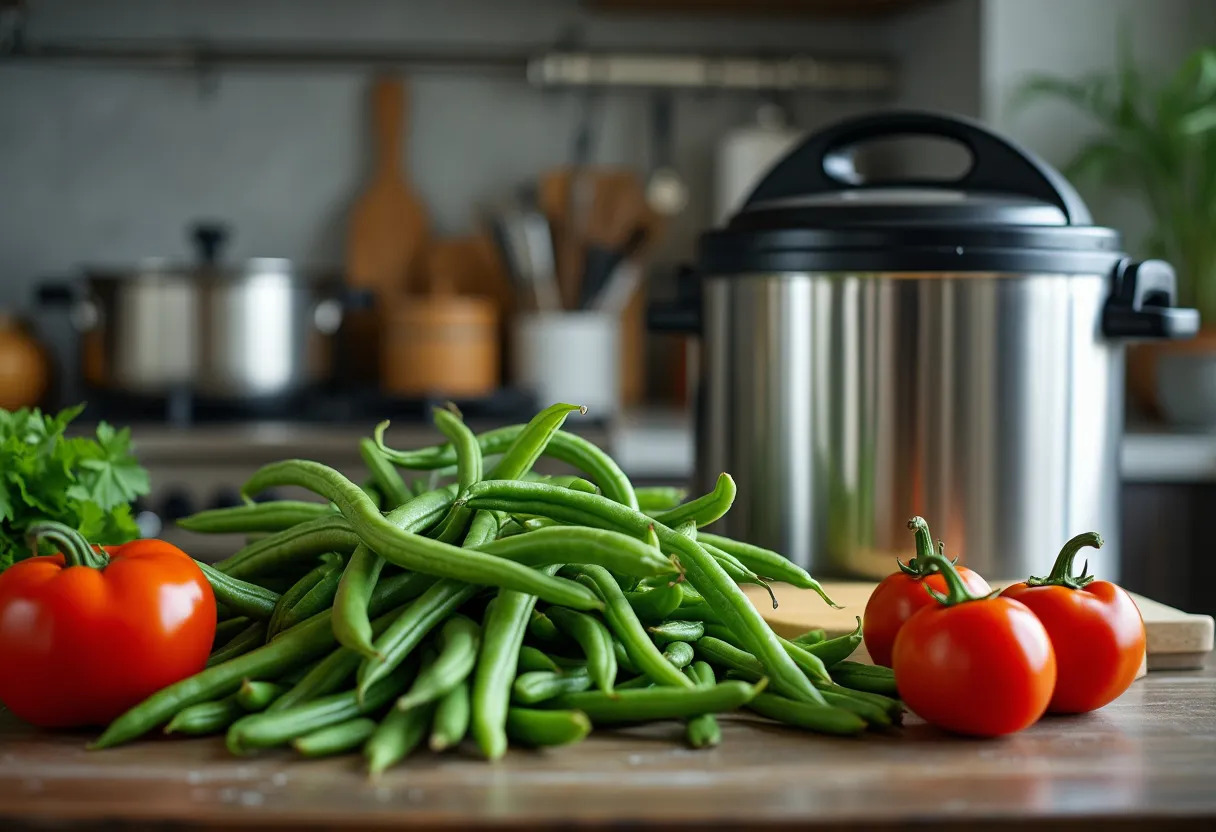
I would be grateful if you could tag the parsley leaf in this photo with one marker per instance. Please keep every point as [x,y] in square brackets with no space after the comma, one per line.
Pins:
[85,482]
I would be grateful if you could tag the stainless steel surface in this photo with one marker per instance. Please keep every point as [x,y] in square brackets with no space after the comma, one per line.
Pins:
[252,331]
[259,332]
[845,404]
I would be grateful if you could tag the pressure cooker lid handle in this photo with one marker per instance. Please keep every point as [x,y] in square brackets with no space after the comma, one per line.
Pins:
[819,164]
[209,238]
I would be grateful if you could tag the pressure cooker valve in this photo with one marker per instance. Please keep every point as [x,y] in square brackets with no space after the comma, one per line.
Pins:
[1141,304]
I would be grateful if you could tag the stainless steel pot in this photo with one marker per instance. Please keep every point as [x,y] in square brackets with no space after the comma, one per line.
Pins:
[259,329]
[872,351]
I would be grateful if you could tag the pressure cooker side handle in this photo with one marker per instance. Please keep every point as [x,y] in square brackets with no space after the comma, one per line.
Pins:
[1141,304]
[997,164]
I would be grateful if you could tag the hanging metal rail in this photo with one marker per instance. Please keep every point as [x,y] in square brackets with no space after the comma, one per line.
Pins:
[541,66]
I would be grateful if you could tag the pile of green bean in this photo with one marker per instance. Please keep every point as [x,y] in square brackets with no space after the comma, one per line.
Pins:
[503,605]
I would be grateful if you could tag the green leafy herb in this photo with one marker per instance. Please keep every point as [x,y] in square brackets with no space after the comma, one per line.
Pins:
[87,483]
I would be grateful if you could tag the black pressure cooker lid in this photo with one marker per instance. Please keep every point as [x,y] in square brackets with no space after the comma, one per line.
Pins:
[1010,212]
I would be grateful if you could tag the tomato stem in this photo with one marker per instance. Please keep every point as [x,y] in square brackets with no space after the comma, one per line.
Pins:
[956,589]
[75,549]
[918,566]
[1061,571]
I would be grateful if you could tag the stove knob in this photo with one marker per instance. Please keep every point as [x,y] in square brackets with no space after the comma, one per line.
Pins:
[226,498]
[176,505]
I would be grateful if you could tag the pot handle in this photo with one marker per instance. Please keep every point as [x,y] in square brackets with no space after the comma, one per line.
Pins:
[83,311]
[998,165]
[1141,301]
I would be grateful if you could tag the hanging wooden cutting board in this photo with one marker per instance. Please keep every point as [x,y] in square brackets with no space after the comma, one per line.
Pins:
[388,226]
[1176,640]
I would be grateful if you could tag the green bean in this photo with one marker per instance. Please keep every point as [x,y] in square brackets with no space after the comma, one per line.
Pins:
[721,594]
[720,653]
[873,714]
[227,629]
[329,564]
[539,685]
[698,611]
[258,696]
[332,672]
[239,596]
[274,728]
[594,639]
[384,476]
[537,729]
[656,604]
[205,717]
[395,737]
[293,648]
[676,630]
[811,637]
[299,544]
[616,552]
[458,645]
[541,628]
[645,704]
[351,623]
[835,650]
[250,638]
[679,654]
[705,509]
[738,573]
[622,657]
[807,662]
[274,516]
[625,625]
[530,658]
[702,731]
[659,498]
[318,599]
[768,564]
[469,462]
[336,739]
[424,614]
[865,677]
[531,442]
[893,708]
[502,635]
[635,683]
[563,446]
[412,551]
[373,493]
[451,721]
[823,719]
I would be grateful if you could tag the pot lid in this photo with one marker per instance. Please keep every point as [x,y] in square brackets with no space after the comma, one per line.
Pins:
[1009,212]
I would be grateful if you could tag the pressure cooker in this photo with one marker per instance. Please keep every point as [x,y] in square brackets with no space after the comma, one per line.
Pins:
[874,350]
[254,330]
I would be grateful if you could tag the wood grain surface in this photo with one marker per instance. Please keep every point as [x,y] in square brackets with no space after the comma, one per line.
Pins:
[1147,760]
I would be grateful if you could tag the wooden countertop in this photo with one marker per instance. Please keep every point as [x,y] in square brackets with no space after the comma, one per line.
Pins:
[1148,760]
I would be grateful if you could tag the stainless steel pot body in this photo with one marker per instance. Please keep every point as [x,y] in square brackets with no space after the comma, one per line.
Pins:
[259,332]
[844,404]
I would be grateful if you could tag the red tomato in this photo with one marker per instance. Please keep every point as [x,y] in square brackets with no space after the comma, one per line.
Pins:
[1095,628]
[983,667]
[90,639]
[902,594]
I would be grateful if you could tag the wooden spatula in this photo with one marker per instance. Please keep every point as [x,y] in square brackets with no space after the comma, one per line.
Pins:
[388,223]
[387,229]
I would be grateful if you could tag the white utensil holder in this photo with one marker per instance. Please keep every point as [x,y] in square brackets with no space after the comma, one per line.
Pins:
[572,357]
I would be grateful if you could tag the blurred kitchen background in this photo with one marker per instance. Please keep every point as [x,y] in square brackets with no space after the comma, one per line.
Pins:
[402,195]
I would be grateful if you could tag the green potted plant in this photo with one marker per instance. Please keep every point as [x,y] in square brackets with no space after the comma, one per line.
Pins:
[1158,142]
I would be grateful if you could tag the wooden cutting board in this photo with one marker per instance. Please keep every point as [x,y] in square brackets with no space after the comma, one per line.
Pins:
[1176,640]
